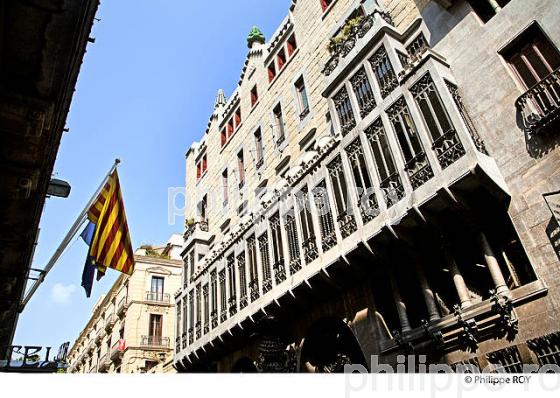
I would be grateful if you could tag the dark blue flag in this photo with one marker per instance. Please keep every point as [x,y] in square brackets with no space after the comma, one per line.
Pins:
[89,268]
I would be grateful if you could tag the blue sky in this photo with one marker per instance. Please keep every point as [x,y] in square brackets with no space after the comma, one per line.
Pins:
[144,94]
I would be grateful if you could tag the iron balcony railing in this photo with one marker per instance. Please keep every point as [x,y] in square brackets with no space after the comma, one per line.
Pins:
[155,341]
[540,105]
[123,305]
[158,297]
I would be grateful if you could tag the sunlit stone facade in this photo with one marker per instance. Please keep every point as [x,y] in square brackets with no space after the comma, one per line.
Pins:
[374,187]
[132,327]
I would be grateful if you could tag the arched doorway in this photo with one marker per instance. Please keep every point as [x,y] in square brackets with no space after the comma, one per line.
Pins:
[328,346]
[244,365]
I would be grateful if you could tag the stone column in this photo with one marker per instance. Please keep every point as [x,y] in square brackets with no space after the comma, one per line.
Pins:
[458,281]
[493,266]
[495,6]
[399,303]
[427,292]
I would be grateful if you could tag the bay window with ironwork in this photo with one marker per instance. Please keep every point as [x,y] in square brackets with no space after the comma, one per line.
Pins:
[253,268]
[242,281]
[214,299]
[367,202]
[446,142]
[326,222]
[232,300]
[344,110]
[345,217]
[309,243]
[293,242]
[384,72]
[389,179]
[265,263]
[277,249]
[364,92]
[223,295]
[416,162]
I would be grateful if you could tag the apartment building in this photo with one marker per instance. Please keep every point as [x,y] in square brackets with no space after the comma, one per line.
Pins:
[132,327]
[383,181]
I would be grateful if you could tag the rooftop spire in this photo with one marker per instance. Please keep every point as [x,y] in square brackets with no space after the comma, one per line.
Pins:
[220,98]
[255,36]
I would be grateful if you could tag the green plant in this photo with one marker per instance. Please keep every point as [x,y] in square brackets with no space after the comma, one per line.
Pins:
[347,31]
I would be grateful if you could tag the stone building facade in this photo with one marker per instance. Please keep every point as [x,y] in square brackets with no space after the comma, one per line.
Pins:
[374,186]
[132,327]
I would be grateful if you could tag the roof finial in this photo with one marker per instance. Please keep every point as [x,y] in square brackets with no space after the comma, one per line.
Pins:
[220,98]
[255,36]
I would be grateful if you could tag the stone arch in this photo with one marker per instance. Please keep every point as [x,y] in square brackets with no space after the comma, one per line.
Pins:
[244,365]
[329,345]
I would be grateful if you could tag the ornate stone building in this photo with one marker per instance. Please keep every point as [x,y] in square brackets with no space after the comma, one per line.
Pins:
[374,186]
[132,327]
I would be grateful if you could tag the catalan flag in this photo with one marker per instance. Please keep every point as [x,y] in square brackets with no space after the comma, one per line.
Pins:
[110,246]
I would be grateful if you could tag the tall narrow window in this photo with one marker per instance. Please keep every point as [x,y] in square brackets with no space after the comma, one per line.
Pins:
[242,281]
[345,218]
[259,151]
[214,298]
[291,45]
[186,315]
[241,169]
[206,304]
[230,128]
[198,325]
[384,73]
[280,135]
[265,262]
[156,288]
[237,118]
[202,209]
[277,249]
[225,187]
[302,98]
[344,110]
[254,96]
[223,136]
[293,242]
[390,181]
[364,93]
[367,202]
[309,243]
[281,59]
[191,263]
[223,297]
[231,282]
[191,316]
[446,142]
[322,203]
[271,72]
[155,329]
[253,271]
[416,162]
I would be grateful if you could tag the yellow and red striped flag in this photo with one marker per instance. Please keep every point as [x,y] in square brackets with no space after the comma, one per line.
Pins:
[110,247]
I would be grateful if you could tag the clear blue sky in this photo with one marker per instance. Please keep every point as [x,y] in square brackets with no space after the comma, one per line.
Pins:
[144,94]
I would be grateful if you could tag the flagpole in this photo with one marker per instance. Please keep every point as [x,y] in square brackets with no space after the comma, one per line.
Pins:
[72,232]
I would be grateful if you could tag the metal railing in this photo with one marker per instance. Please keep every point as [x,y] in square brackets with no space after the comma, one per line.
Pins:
[540,105]
[158,297]
[155,341]
[123,305]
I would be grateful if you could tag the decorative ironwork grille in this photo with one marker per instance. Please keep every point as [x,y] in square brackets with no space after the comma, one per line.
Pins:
[507,360]
[309,244]
[214,299]
[416,162]
[384,72]
[223,303]
[242,281]
[206,309]
[265,262]
[198,326]
[367,201]
[364,93]
[232,301]
[390,181]
[344,110]
[293,242]
[322,203]
[191,316]
[446,142]
[253,272]
[277,250]
[345,218]
[546,348]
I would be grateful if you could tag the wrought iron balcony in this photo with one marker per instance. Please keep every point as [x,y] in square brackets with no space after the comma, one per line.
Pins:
[155,341]
[540,105]
[122,306]
[110,322]
[190,229]
[116,351]
[158,297]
